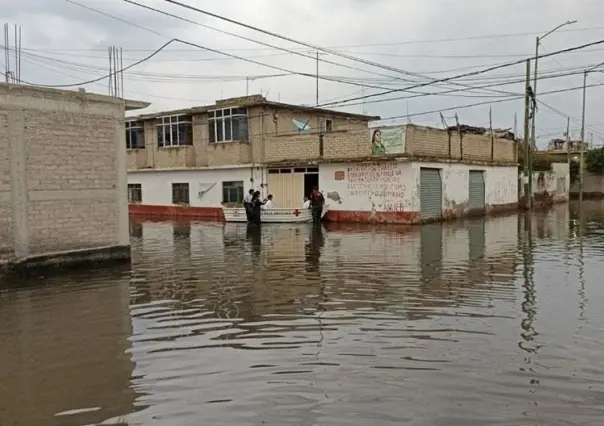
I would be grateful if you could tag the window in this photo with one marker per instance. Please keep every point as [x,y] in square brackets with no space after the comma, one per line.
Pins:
[135,135]
[180,193]
[329,125]
[135,193]
[226,125]
[175,130]
[232,192]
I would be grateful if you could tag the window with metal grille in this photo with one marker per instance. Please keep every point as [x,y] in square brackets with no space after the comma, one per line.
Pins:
[232,192]
[180,193]
[135,193]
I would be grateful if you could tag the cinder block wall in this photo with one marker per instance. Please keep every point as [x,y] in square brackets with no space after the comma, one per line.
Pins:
[432,142]
[62,171]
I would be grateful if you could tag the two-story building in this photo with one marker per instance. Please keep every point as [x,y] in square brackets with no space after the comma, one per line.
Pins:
[193,162]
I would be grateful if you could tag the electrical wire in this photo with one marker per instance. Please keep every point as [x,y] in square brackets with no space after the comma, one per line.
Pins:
[551,92]
[473,73]
[318,59]
[217,51]
[309,45]
[417,114]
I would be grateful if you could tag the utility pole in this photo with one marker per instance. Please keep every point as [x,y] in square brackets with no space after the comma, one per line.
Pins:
[527,151]
[582,147]
[317,78]
[568,151]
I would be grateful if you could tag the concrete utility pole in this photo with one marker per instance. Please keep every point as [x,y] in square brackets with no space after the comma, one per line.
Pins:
[317,99]
[537,42]
[527,150]
[582,147]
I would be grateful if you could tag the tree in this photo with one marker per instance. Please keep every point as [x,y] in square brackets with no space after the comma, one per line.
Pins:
[594,162]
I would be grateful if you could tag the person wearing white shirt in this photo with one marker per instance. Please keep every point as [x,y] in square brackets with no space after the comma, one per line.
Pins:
[306,204]
[269,202]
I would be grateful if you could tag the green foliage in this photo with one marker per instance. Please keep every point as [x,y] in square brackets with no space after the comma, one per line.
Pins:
[594,161]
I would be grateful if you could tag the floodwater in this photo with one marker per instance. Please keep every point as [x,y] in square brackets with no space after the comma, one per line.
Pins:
[488,322]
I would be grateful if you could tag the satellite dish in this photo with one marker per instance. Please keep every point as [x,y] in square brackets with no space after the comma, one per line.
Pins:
[301,125]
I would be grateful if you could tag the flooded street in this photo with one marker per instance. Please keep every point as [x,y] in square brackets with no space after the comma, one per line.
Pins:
[487,322]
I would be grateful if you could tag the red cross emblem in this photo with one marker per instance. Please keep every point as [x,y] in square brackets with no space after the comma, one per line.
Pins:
[297,212]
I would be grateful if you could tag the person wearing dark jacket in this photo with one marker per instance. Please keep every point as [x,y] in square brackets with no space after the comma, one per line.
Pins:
[317,202]
[256,208]
[247,203]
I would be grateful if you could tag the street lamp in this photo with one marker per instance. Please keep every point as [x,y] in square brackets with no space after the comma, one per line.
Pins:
[581,155]
[538,41]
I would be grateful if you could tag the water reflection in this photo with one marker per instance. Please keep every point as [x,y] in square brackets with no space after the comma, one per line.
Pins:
[483,322]
[63,359]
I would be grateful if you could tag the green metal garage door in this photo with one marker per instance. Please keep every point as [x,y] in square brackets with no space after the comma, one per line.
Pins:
[477,190]
[431,193]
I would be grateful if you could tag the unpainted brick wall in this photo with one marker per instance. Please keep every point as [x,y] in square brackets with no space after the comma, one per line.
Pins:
[432,142]
[72,189]
[6,242]
[348,144]
[285,148]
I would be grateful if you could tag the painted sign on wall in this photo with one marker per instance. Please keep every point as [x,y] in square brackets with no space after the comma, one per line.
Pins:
[376,180]
[388,140]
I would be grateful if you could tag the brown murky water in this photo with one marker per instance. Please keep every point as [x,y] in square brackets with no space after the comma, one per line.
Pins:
[483,323]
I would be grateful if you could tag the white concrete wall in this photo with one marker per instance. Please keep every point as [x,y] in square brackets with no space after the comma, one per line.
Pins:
[367,186]
[395,186]
[157,185]
[501,184]
[556,182]
[62,171]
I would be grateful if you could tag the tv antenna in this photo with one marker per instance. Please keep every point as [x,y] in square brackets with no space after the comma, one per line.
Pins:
[12,73]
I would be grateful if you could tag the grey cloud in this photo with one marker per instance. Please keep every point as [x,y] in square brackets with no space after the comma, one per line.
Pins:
[334,23]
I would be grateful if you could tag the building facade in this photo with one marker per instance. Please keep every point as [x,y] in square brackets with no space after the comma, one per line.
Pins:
[369,170]
[62,175]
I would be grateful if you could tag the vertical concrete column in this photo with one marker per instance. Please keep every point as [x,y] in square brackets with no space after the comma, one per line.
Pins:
[121,189]
[18,174]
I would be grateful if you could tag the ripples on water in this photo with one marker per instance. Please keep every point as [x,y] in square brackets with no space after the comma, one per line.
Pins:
[483,323]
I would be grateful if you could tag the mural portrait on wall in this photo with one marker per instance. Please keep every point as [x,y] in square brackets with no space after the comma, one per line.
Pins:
[377,148]
[388,140]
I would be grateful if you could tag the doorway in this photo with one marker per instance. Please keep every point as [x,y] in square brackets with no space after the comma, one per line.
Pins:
[311,179]
[289,185]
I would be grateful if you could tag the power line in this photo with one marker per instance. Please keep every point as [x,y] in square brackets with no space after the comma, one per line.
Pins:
[386,43]
[472,73]
[309,45]
[422,94]
[551,92]
[317,48]
[227,54]
[501,83]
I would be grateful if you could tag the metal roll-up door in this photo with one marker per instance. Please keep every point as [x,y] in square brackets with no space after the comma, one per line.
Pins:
[477,190]
[431,193]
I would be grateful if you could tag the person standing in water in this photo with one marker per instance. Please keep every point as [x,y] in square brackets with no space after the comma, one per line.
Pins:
[268,204]
[256,209]
[317,202]
[247,204]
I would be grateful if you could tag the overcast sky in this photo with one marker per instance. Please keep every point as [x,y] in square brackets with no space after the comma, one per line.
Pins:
[64,43]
